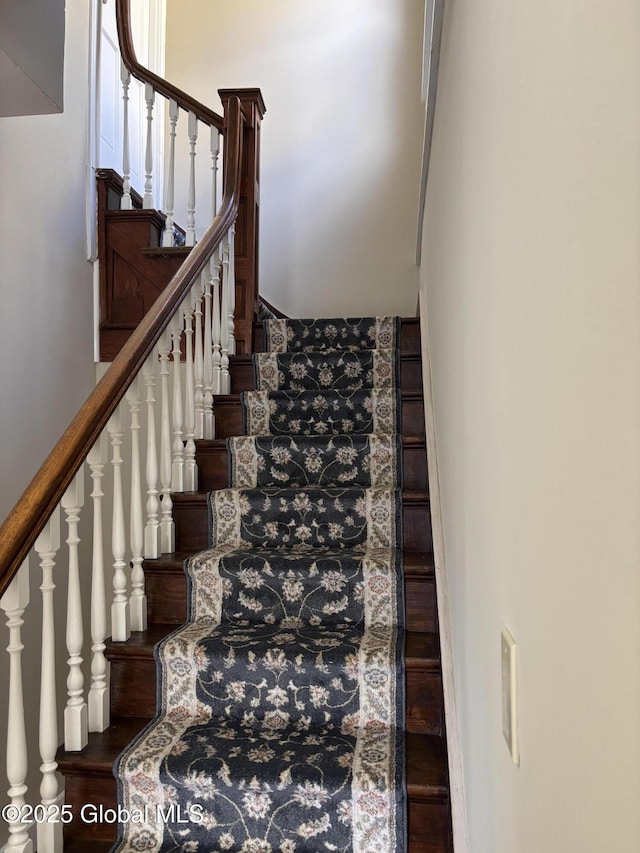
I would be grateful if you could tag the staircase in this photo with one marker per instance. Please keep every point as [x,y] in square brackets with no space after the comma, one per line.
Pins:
[89,774]
[185,310]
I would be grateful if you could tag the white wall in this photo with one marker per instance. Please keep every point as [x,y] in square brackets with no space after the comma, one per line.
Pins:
[341,139]
[531,263]
[46,351]
[32,41]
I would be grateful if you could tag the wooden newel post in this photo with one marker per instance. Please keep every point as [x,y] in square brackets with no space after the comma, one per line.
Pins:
[247,225]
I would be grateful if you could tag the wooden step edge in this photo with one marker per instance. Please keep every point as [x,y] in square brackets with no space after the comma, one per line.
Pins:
[163,251]
[416,564]
[154,216]
[404,321]
[220,444]
[86,845]
[409,496]
[140,644]
[247,360]
[422,650]
[427,768]
[103,748]
[234,399]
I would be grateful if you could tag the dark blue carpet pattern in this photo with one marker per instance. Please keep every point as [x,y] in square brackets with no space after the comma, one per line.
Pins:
[281,700]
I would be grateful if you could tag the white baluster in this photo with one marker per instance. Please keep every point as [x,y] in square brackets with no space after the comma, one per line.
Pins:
[76,731]
[215,150]
[169,198]
[138,600]
[214,263]
[125,78]
[149,96]
[225,379]
[99,691]
[177,464]
[198,397]
[216,327]
[120,626]
[207,356]
[152,527]
[231,307]
[14,602]
[167,528]
[191,198]
[47,546]
[190,468]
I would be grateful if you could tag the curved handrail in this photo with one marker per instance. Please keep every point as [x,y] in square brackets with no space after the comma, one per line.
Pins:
[127,51]
[24,523]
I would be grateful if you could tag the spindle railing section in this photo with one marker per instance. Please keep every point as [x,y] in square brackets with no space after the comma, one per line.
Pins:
[133,445]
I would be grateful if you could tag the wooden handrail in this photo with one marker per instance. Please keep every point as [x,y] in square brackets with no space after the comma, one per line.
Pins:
[127,51]
[24,523]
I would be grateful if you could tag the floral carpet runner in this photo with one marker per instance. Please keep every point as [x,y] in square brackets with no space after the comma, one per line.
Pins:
[281,701]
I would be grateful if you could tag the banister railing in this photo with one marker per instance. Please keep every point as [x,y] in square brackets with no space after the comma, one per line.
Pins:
[152,404]
[163,87]
[22,526]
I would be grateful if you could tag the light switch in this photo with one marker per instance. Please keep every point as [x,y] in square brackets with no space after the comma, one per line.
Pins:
[509,695]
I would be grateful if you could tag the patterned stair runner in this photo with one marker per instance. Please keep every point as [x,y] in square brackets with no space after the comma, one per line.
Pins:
[280,721]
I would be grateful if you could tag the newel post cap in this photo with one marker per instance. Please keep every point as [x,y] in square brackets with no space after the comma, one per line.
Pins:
[252,102]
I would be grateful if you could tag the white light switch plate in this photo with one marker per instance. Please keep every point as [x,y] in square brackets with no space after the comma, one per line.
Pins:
[509,696]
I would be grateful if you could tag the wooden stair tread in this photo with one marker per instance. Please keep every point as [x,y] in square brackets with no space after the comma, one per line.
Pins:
[241,360]
[140,644]
[408,495]
[427,770]
[221,443]
[87,845]
[426,757]
[102,749]
[422,651]
[234,399]
[415,564]
[175,251]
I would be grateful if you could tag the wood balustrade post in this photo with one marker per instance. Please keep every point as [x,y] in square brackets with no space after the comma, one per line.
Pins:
[248,221]
[99,692]
[138,599]
[47,545]
[14,602]
[76,723]
[190,467]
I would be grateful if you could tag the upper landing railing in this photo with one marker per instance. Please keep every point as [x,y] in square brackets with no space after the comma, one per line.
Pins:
[152,404]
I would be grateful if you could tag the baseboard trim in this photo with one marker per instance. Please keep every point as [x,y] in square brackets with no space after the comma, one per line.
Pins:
[454,743]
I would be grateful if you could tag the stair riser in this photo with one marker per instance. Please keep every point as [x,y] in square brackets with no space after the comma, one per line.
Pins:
[242,377]
[409,336]
[228,414]
[167,599]
[213,465]
[97,790]
[429,827]
[190,516]
[423,696]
